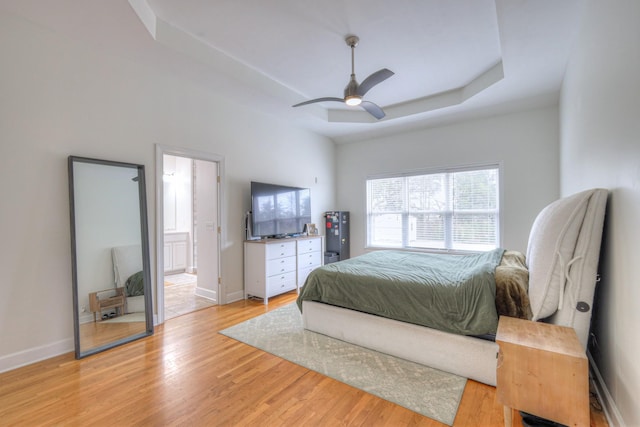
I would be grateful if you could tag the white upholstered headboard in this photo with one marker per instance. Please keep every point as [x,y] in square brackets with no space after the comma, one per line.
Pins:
[562,257]
[127,260]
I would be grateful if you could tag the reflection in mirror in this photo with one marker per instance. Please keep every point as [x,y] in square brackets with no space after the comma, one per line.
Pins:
[110,254]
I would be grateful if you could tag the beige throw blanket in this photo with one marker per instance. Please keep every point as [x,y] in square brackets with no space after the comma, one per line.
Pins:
[512,286]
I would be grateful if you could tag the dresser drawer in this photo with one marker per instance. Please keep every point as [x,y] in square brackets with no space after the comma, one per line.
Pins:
[281,265]
[280,250]
[281,283]
[303,273]
[312,259]
[309,245]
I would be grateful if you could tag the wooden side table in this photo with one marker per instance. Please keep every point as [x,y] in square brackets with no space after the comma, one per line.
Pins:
[97,304]
[542,370]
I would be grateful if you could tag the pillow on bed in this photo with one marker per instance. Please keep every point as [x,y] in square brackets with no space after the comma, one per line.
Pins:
[134,285]
[551,247]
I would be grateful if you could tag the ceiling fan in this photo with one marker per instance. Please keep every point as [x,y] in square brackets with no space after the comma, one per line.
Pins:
[354,92]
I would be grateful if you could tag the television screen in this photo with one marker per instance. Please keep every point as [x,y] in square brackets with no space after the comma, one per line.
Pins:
[278,210]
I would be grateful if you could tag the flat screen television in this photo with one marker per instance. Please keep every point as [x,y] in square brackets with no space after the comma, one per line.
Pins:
[278,210]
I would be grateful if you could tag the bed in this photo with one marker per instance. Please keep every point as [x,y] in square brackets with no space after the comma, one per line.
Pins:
[560,270]
[127,271]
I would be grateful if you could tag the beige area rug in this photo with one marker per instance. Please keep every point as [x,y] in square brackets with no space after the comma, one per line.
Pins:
[180,296]
[427,391]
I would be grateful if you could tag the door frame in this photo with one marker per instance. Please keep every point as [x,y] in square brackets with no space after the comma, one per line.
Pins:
[161,150]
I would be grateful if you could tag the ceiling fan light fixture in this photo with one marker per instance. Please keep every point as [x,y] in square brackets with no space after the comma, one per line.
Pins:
[353,100]
[354,92]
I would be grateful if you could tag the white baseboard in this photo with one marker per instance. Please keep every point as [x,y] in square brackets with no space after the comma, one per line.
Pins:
[86,318]
[608,404]
[234,296]
[36,354]
[208,294]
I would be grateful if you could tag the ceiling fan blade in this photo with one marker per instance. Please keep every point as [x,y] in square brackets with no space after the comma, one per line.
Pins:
[373,109]
[375,78]
[319,100]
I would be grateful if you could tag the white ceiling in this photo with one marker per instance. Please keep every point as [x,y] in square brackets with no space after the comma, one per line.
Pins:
[452,58]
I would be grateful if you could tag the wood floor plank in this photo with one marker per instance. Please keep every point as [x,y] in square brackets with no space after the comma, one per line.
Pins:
[189,374]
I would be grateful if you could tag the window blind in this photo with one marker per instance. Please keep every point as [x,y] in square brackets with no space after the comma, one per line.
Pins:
[450,210]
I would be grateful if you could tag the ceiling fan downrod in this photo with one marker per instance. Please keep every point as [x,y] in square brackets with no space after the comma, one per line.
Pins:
[351,96]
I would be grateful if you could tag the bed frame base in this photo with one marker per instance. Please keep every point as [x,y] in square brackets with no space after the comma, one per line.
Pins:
[465,356]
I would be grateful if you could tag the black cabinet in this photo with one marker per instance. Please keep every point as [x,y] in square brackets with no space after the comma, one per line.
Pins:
[337,236]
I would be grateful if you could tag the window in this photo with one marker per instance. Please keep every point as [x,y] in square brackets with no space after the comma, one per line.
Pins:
[447,210]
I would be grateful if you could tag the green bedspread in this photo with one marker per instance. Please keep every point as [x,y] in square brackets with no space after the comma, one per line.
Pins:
[452,293]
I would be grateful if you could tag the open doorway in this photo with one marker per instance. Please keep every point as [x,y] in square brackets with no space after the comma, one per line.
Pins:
[188,263]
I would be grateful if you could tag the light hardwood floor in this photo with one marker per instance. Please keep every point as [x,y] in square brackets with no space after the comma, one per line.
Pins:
[188,374]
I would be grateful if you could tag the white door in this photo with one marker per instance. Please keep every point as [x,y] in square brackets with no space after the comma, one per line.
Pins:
[206,227]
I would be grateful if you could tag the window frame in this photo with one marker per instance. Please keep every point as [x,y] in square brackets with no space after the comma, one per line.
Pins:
[429,171]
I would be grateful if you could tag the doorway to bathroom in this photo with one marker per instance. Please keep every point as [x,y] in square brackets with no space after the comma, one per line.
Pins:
[190,234]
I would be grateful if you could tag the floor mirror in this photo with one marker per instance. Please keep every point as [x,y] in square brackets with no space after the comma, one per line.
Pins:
[110,254]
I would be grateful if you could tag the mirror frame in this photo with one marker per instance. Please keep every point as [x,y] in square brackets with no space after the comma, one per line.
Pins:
[144,243]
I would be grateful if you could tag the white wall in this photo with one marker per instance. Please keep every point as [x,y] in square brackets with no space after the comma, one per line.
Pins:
[525,143]
[600,147]
[60,97]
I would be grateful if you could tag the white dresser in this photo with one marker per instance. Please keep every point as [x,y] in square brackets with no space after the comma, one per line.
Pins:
[276,266]
[309,251]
